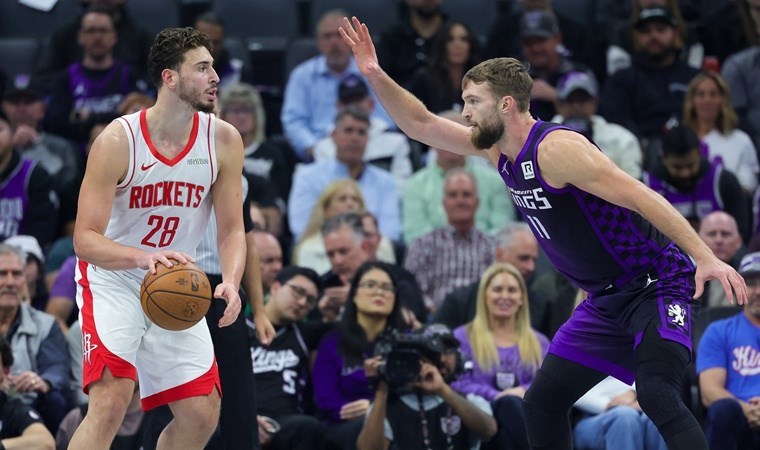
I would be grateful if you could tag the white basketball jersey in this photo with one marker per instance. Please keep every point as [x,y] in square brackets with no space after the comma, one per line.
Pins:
[164,204]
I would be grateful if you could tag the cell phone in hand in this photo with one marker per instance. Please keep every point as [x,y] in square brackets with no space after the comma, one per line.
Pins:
[332,281]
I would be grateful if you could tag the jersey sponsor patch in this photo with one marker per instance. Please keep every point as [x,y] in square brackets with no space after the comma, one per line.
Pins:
[527,170]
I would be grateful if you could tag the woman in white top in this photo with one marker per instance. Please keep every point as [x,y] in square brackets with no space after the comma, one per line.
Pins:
[708,111]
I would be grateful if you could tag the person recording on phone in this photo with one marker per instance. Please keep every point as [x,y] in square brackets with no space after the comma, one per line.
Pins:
[412,372]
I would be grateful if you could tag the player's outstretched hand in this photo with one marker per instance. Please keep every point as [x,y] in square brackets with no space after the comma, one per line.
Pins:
[357,37]
[264,329]
[231,296]
[148,261]
[729,278]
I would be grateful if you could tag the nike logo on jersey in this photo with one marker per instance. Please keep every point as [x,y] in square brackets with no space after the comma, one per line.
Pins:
[148,166]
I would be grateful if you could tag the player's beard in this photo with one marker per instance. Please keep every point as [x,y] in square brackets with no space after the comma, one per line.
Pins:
[194,98]
[487,133]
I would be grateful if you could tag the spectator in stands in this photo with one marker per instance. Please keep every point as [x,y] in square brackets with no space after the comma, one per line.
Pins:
[409,416]
[62,303]
[230,70]
[28,201]
[455,255]
[740,71]
[90,90]
[422,198]
[708,111]
[453,52]
[727,364]
[541,39]
[612,419]
[281,367]
[720,232]
[273,159]
[41,369]
[36,293]
[502,351]
[132,46]
[339,197]
[577,101]
[688,181]
[386,149]
[341,391]
[377,185]
[270,258]
[134,102]
[308,109]
[644,96]
[22,427]
[405,47]
[26,109]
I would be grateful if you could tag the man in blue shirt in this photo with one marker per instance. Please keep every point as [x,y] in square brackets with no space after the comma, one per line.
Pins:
[728,363]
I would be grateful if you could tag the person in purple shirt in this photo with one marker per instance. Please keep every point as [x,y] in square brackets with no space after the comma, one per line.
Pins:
[599,227]
[501,351]
[341,391]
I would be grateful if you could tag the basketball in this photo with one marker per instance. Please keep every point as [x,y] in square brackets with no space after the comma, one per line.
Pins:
[175,298]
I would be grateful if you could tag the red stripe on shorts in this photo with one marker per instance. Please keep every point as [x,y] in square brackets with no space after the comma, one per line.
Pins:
[95,356]
[193,388]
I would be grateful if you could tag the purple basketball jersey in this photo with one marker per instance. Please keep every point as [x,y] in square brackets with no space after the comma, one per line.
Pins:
[14,199]
[696,204]
[592,242]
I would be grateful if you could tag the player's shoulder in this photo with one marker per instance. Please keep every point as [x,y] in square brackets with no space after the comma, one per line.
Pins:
[114,135]
[562,140]
[226,134]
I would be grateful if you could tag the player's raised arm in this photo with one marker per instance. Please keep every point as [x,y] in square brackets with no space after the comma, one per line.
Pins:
[407,111]
[567,158]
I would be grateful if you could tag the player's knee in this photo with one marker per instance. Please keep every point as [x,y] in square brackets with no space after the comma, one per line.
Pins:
[198,415]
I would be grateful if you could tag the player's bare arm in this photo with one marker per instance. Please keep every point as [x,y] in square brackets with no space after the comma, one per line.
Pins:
[567,158]
[252,285]
[107,165]
[227,196]
[408,112]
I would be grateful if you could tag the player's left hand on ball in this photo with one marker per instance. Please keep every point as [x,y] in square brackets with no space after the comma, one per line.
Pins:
[231,296]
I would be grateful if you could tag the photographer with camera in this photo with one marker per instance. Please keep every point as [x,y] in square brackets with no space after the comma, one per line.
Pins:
[412,373]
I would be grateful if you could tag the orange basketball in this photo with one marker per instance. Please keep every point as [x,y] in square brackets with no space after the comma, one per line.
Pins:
[177,297]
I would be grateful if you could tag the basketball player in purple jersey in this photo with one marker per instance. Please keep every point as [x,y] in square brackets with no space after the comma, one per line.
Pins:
[607,232]
[147,195]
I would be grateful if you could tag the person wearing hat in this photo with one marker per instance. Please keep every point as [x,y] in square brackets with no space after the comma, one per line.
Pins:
[694,185]
[728,364]
[26,110]
[577,102]
[547,61]
[644,96]
[386,149]
[28,201]
[429,413]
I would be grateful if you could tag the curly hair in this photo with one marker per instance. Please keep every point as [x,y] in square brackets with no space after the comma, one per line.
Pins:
[169,48]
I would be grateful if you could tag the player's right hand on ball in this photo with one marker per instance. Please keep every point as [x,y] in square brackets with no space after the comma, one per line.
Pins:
[148,260]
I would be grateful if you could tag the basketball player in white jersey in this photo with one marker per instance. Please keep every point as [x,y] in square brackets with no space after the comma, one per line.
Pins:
[150,182]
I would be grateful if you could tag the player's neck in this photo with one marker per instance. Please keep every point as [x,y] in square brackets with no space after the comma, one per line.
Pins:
[170,120]
[517,128]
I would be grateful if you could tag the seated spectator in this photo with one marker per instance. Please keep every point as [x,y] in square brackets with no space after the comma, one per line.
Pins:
[707,110]
[134,102]
[341,391]
[453,52]
[693,185]
[541,40]
[132,45]
[259,221]
[90,90]
[309,103]
[577,101]
[399,413]
[62,303]
[502,351]
[377,185]
[28,201]
[643,97]
[386,149]
[422,198]
[34,270]
[229,69]
[129,435]
[405,47]
[340,196]
[62,161]
[612,419]
[455,255]
[41,368]
[727,364]
[282,368]
[270,259]
[22,427]
[720,232]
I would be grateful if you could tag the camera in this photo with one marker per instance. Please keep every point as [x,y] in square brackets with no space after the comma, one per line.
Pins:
[402,354]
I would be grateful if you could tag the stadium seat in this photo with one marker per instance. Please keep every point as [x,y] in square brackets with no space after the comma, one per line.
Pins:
[20,21]
[246,18]
[477,14]
[379,15]
[17,59]
[154,15]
